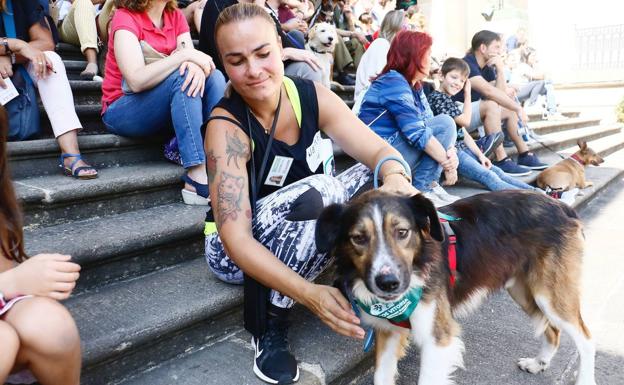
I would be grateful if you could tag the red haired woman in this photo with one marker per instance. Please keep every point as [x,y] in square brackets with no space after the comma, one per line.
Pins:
[396,108]
[36,332]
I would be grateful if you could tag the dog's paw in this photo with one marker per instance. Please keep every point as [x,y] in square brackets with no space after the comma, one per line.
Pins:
[532,365]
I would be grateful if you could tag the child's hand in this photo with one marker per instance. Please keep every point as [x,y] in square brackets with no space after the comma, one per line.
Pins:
[45,275]
[467,87]
[485,162]
[450,177]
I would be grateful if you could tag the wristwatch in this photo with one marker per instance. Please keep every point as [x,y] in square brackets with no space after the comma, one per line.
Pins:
[7,50]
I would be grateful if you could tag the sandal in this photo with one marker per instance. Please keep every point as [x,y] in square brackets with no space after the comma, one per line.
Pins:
[75,172]
[201,195]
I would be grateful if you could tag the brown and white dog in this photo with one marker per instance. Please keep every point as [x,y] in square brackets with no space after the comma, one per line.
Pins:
[570,172]
[322,41]
[525,242]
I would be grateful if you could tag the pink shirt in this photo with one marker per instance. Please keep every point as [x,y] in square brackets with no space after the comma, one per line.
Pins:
[162,40]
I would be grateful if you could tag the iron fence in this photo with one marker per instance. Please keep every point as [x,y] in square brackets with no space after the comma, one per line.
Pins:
[600,48]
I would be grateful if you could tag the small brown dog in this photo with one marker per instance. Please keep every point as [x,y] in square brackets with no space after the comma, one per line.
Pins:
[570,173]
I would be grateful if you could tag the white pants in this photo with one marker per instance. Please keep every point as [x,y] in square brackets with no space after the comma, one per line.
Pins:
[56,96]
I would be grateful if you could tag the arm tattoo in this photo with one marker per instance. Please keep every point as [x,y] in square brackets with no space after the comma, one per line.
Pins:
[211,165]
[235,148]
[229,195]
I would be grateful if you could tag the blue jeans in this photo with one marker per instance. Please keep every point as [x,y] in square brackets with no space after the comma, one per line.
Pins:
[156,110]
[532,90]
[494,179]
[425,170]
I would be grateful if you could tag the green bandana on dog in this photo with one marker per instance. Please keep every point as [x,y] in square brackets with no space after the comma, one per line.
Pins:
[396,311]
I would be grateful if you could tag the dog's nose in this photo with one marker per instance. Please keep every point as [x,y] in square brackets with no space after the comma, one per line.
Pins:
[330,38]
[387,282]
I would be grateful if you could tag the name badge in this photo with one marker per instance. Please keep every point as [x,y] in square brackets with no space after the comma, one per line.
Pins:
[320,152]
[279,171]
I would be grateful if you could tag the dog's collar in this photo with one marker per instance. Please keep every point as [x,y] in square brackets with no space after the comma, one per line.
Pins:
[397,312]
[317,51]
[578,159]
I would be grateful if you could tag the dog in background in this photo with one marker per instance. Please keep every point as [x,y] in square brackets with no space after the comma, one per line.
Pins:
[322,41]
[385,245]
[570,172]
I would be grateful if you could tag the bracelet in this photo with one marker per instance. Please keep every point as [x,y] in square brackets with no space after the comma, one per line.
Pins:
[406,167]
[5,43]
[399,171]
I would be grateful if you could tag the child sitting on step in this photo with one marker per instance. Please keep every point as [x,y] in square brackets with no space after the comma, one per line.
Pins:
[473,164]
[37,334]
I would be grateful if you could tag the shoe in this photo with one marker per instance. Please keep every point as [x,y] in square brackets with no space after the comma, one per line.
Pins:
[531,161]
[345,79]
[510,167]
[273,361]
[442,194]
[557,116]
[75,172]
[201,195]
[489,143]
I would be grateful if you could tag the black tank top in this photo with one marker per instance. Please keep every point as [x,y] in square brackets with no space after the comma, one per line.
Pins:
[311,154]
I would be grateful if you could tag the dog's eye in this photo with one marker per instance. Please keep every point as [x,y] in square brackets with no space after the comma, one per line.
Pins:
[359,239]
[402,233]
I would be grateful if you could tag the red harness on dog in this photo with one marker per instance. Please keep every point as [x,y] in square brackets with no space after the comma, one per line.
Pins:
[578,159]
[452,250]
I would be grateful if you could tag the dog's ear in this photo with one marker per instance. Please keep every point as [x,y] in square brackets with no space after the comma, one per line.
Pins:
[582,144]
[424,210]
[312,32]
[327,227]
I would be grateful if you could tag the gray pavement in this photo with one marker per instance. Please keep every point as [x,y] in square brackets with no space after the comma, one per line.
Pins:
[499,332]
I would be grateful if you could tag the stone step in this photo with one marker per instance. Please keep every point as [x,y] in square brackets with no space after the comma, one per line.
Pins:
[54,199]
[544,127]
[133,325]
[123,246]
[603,146]
[41,156]
[537,116]
[327,358]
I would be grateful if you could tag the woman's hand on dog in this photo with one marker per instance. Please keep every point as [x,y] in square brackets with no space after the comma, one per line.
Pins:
[333,309]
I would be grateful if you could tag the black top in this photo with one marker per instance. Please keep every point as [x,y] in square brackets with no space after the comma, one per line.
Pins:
[25,14]
[488,73]
[442,103]
[310,150]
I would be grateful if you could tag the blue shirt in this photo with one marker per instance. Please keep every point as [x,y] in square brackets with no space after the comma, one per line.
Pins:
[406,109]
[488,73]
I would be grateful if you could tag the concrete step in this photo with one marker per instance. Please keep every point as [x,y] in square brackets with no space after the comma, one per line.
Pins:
[54,199]
[41,157]
[326,358]
[544,127]
[123,246]
[537,116]
[134,325]
[604,146]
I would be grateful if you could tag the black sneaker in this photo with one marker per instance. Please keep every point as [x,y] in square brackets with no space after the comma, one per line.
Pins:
[489,143]
[273,362]
[511,168]
[530,160]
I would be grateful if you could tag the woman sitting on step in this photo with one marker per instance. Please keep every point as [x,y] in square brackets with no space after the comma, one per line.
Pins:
[29,60]
[273,240]
[156,80]
[37,334]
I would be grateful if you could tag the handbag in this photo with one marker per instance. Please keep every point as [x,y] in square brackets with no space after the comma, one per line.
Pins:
[150,55]
[23,110]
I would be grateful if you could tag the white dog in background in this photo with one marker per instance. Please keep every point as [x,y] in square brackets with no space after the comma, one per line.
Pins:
[322,41]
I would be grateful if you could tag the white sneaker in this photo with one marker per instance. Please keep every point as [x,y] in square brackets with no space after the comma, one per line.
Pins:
[443,195]
[557,116]
[437,202]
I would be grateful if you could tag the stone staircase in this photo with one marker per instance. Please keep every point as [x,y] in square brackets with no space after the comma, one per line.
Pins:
[148,309]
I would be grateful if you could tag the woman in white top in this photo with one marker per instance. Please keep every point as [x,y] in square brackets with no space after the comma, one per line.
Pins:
[374,59]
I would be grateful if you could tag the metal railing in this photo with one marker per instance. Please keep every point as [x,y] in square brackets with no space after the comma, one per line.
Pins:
[600,48]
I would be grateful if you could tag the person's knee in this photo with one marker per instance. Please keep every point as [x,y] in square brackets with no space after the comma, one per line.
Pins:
[10,340]
[490,108]
[447,131]
[47,328]
[84,6]
[216,81]
[56,60]
[330,190]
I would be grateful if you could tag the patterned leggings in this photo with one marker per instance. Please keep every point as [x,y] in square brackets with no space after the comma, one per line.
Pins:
[291,239]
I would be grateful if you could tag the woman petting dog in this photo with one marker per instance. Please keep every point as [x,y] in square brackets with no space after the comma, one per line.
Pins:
[274,244]
[396,108]
[37,335]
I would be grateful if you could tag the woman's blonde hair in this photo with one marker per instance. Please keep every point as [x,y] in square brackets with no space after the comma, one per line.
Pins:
[241,12]
[141,5]
[391,24]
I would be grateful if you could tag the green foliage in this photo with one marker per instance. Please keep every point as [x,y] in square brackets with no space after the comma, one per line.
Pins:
[619,111]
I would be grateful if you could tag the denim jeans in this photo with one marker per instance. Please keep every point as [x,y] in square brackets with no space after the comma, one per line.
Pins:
[164,107]
[532,90]
[425,170]
[494,179]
